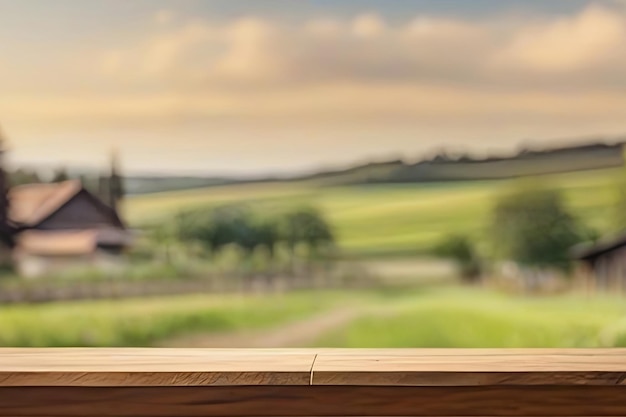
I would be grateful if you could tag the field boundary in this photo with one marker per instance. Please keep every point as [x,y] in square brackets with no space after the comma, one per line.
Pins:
[118,288]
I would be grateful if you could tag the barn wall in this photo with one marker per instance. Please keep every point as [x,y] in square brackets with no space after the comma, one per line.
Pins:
[33,266]
[609,271]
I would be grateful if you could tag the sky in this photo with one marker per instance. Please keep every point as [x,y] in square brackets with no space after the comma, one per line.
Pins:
[277,86]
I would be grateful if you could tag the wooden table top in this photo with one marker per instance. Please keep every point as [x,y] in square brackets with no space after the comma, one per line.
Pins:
[104,367]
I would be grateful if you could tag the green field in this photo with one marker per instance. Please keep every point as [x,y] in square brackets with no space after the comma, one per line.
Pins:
[143,322]
[391,219]
[426,316]
[458,318]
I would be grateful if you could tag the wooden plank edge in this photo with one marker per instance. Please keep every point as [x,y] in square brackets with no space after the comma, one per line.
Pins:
[151,379]
[303,401]
[443,379]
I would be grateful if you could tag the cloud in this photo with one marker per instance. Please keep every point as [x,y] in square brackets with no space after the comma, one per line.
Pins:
[427,69]
[252,52]
[164,17]
[589,39]
[368,25]
[256,53]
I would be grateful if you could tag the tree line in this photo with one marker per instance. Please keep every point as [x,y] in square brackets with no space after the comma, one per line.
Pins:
[302,233]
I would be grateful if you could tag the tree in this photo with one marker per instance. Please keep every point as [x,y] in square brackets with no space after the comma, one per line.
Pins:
[199,226]
[164,236]
[532,227]
[250,230]
[619,208]
[23,176]
[460,250]
[60,175]
[220,226]
[268,234]
[307,226]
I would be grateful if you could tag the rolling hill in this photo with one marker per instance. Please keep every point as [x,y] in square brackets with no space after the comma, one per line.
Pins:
[438,168]
[391,219]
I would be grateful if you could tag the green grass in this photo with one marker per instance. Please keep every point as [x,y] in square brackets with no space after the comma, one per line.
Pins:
[391,219]
[143,322]
[150,207]
[427,316]
[480,319]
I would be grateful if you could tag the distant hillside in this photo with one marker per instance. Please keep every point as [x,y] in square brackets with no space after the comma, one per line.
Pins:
[465,168]
[441,167]
[145,185]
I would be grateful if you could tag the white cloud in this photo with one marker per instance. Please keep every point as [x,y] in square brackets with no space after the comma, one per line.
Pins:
[260,53]
[252,52]
[368,25]
[361,68]
[572,43]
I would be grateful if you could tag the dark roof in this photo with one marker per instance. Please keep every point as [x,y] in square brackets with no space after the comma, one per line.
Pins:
[607,244]
[33,203]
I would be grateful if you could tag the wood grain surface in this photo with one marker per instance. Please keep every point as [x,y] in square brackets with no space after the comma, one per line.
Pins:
[438,368]
[402,367]
[153,367]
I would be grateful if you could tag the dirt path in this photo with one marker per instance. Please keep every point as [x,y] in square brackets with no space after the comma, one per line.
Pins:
[298,334]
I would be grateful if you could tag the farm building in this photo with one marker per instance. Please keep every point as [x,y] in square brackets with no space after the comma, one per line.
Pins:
[603,265]
[47,228]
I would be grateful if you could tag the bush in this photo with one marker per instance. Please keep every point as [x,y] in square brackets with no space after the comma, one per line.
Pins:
[461,250]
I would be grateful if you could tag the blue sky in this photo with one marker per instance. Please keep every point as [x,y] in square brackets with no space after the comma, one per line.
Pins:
[129,11]
[282,85]
[64,20]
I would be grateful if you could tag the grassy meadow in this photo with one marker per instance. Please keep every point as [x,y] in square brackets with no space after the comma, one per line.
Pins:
[462,318]
[143,322]
[430,316]
[401,219]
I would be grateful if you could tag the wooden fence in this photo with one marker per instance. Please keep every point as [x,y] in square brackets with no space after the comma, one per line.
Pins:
[43,292]
[311,382]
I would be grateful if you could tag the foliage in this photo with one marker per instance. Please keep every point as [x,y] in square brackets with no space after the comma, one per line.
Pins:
[589,233]
[619,206]
[306,225]
[218,227]
[251,229]
[22,176]
[60,175]
[268,234]
[117,187]
[164,235]
[532,226]
[461,250]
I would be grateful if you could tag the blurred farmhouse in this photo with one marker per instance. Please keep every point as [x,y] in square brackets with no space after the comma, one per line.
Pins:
[48,227]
